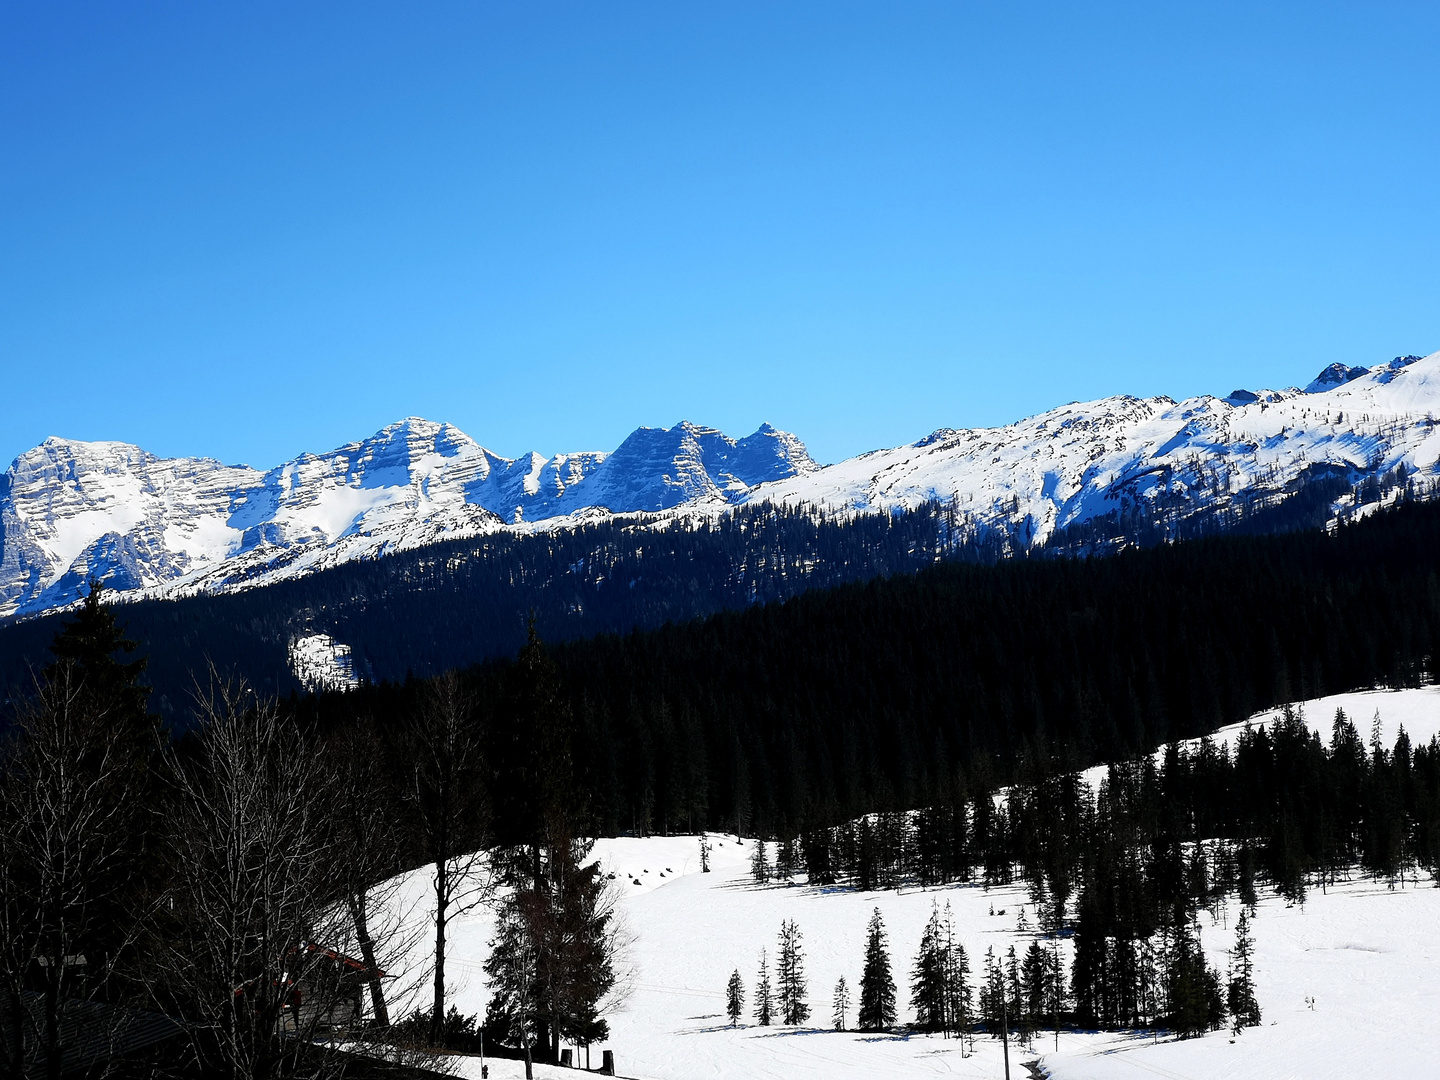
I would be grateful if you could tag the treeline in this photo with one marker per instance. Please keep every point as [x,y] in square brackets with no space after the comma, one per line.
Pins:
[1014,994]
[1170,511]
[1128,867]
[459,602]
[893,693]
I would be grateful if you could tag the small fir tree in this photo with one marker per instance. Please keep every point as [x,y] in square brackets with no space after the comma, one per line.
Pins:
[790,971]
[959,1004]
[704,855]
[1192,989]
[1034,984]
[764,1000]
[760,863]
[927,979]
[877,986]
[786,859]
[734,997]
[992,992]
[841,1007]
[1243,1007]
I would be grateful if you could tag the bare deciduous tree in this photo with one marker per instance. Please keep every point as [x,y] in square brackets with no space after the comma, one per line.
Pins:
[447,805]
[255,901]
[366,835]
[66,798]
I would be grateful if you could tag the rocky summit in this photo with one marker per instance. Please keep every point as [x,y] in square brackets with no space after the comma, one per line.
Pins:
[1107,471]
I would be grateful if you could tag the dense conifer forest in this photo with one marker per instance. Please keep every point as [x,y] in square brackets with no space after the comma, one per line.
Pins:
[464,601]
[899,691]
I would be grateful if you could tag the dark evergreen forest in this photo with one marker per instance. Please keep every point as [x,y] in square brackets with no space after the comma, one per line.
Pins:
[460,602]
[898,692]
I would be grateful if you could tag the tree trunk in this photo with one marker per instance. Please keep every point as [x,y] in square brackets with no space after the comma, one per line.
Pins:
[52,1020]
[12,1034]
[442,900]
[358,906]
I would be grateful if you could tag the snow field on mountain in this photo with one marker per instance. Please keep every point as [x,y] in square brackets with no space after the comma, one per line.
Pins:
[169,527]
[1367,957]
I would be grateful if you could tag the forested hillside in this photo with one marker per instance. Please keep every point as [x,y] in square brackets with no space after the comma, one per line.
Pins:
[904,691]
[461,602]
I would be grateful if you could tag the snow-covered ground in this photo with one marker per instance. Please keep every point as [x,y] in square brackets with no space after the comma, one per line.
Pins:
[1349,984]
[322,663]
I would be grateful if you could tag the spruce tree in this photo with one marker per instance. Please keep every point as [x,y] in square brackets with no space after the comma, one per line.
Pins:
[992,992]
[958,1000]
[841,1005]
[734,997]
[760,863]
[877,986]
[927,979]
[786,860]
[764,1001]
[790,971]
[1034,984]
[1243,1007]
[1192,988]
[89,644]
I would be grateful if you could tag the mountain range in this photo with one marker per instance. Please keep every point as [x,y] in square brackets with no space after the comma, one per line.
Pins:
[150,526]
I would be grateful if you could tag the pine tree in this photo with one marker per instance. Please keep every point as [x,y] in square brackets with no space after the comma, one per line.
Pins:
[786,860]
[958,1000]
[760,863]
[877,986]
[704,855]
[992,992]
[927,980]
[841,1004]
[1034,984]
[88,645]
[1243,1006]
[734,997]
[764,1001]
[1192,988]
[791,974]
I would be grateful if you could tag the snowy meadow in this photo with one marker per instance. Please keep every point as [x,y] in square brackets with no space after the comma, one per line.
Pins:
[1347,982]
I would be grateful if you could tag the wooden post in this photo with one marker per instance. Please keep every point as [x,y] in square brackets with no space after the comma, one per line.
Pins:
[565,1058]
[607,1063]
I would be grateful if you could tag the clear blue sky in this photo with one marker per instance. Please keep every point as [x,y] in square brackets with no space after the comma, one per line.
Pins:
[252,230]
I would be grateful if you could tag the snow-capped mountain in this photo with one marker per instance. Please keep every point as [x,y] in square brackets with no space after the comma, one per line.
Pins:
[151,526]
[70,510]
[1155,459]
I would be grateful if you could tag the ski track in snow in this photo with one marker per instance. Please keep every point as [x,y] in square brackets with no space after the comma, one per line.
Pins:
[1365,953]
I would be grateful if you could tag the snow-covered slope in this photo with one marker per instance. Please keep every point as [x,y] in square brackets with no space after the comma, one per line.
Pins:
[1121,466]
[1153,458]
[1348,984]
[69,510]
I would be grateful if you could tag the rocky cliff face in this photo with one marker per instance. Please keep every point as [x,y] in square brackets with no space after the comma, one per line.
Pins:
[1156,459]
[145,525]
[71,510]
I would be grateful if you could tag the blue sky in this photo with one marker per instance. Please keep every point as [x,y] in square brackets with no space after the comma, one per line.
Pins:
[247,231]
